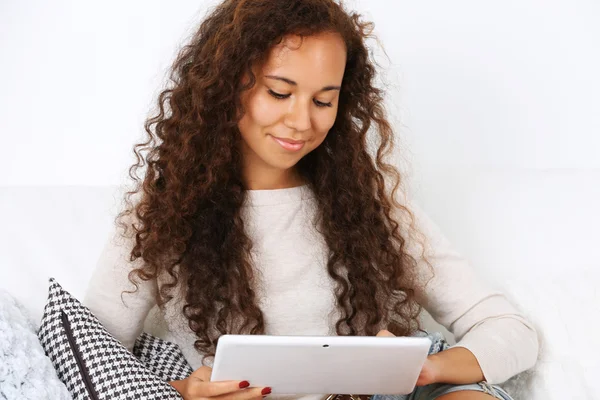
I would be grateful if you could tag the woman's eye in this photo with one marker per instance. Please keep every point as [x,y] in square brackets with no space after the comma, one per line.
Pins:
[280,96]
[319,104]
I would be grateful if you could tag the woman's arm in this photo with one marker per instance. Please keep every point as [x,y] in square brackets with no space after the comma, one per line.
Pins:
[501,341]
[456,366]
[123,316]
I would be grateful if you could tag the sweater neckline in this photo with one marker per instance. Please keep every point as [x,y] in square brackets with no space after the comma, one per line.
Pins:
[272,197]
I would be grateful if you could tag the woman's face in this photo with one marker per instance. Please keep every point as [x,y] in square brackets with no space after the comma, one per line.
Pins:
[292,106]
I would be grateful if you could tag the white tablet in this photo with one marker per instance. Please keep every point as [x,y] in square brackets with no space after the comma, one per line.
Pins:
[322,364]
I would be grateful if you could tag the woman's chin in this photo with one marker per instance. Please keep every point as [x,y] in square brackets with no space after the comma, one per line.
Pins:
[284,163]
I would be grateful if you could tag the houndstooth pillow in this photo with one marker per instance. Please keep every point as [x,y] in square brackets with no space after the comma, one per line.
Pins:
[161,357]
[96,366]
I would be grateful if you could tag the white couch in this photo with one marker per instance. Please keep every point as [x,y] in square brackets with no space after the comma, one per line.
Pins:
[534,234]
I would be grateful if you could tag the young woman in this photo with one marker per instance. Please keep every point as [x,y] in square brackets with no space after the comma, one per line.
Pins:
[267,207]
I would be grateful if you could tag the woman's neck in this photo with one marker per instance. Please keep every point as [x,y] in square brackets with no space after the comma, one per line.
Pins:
[274,179]
[259,175]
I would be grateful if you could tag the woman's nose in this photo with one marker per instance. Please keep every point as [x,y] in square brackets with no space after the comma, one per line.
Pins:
[298,116]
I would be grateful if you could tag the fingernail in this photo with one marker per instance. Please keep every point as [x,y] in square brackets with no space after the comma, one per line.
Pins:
[266,391]
[244,384]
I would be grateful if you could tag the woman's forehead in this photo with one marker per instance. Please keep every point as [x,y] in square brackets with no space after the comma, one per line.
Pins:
[315,60]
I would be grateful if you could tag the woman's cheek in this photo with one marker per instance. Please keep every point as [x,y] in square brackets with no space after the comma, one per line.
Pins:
[324,125]
[267,111]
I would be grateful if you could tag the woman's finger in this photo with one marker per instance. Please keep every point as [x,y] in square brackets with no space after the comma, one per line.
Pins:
[219,389]
[200,384]
[245,394]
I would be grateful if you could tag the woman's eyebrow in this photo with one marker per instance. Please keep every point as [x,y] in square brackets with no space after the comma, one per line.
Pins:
[291,82]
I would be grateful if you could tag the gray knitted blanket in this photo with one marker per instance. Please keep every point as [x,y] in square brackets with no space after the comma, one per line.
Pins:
[25,371]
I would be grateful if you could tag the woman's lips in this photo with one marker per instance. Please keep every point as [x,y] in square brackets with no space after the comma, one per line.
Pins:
[288,144]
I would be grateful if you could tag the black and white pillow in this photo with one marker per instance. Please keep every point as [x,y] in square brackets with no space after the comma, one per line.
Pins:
[96,366]
[161,357]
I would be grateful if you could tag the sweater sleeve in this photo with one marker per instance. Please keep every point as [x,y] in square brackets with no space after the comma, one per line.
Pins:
[481,319]
[122,314]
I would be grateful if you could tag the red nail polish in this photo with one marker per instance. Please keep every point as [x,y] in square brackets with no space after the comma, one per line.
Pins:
[265,391]
[244,384]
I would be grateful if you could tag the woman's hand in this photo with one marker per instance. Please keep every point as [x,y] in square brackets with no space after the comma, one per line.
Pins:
[198,386]
[430,372]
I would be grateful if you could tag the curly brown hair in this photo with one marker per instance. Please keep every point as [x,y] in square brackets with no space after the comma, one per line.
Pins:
[188,218]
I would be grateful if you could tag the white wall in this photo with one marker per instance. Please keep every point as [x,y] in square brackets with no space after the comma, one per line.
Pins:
[496,83]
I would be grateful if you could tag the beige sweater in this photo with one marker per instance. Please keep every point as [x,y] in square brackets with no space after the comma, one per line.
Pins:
[296,292]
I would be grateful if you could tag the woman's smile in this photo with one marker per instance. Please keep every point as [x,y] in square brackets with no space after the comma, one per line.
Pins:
[288,144]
